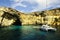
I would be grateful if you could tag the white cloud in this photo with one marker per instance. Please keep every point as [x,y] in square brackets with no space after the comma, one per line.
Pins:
[44,4]
[41,4]
[15,0]
[17,3]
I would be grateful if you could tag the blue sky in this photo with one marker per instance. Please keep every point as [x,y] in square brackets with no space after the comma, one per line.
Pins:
[30,5]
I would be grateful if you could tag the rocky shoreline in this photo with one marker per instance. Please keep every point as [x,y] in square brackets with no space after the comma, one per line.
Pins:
[9,16]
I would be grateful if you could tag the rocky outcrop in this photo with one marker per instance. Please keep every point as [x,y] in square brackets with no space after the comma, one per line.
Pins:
[6,19]
[9,16]
[43,17]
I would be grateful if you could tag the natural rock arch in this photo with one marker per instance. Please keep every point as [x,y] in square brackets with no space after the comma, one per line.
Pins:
[9,19]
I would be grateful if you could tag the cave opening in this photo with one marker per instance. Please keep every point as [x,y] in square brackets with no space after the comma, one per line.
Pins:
[17,21]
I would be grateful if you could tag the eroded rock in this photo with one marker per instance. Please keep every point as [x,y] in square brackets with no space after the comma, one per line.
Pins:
[9,16]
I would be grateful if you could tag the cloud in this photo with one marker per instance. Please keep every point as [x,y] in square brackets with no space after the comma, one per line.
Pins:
[16,3]
[41,4]
[15,0]
[46,4]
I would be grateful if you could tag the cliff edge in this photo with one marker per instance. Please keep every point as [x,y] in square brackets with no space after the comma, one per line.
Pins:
[9,16]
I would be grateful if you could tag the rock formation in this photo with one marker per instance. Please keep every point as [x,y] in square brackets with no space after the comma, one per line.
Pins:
[43,17]
[9,16]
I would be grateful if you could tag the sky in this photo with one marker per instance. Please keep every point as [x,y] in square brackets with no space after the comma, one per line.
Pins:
[30,5]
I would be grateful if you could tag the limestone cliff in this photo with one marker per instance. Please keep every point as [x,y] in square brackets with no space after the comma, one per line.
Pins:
[43,17]
[9,16]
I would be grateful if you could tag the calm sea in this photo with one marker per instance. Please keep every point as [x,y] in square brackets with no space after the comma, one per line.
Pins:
[27,33]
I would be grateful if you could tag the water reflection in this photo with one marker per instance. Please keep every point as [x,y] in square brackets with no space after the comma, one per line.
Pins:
[27,33]
[10,33]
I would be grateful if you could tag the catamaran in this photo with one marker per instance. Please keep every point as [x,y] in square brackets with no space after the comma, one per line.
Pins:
[47,28]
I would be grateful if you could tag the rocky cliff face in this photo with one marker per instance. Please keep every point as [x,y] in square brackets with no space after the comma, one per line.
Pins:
[9,16]
[6,19]
[43,17]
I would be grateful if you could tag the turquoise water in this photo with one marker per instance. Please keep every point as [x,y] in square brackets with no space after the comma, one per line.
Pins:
[27,33]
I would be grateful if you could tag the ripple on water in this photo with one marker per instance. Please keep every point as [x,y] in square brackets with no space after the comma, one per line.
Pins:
[27,33]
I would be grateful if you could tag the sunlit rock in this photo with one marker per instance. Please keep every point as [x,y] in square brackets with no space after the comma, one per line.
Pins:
[9,16]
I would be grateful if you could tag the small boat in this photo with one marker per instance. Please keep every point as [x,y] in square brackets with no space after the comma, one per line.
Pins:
[47,28]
